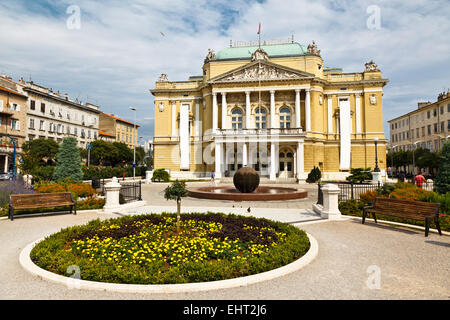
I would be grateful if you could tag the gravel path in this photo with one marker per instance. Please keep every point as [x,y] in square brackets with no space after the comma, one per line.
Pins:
[410,265]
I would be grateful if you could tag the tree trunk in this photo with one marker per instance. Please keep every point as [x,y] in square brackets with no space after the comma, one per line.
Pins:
[178,214]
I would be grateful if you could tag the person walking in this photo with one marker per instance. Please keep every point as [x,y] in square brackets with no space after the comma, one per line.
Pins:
[419,180]
[213,177]
[401,176]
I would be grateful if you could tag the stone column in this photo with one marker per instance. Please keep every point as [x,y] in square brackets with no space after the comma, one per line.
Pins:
[308,110]
[300,161]
[272,161]
[244,155]
[330,202]
[112,190]
[224,110]
[345,130]
[330,114]
[174,119]
[214,113]
[197,119]
[247,109]
[272,108]
[358,112]
[218,158]
[297,109]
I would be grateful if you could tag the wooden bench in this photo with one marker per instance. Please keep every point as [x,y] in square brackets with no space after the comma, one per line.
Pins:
[42,200]
[416,210]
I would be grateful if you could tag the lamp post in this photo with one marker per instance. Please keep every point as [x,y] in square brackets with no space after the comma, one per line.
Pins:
[392,157]
[376,156]
[134,144]
[414,158]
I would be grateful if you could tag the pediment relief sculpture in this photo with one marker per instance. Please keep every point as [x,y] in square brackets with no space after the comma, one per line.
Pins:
[261,72]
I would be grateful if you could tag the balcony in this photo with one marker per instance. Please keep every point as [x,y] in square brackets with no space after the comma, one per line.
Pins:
[262,132]
[6,111]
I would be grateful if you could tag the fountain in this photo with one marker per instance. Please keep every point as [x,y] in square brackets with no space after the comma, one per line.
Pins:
[246,188]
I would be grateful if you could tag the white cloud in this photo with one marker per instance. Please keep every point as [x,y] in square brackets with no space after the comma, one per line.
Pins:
[119,51]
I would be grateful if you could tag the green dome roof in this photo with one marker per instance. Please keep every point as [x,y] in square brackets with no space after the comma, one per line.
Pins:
[275,50]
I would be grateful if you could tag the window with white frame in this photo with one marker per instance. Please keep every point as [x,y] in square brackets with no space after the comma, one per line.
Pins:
[285,118]
[236,119]
[261,118]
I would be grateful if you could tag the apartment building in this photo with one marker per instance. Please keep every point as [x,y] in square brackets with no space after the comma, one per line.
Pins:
[12,122]
[426,127]
[123,131]
[55,116]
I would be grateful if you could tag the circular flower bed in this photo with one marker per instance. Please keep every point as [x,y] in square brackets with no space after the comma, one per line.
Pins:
[148,249]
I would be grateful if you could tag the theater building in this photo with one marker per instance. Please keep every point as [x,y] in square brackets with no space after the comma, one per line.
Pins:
[275,107]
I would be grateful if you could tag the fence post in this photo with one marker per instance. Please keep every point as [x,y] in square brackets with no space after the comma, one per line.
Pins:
[140,190]
[319,194]
[331,202]
[112,194]
[352,193]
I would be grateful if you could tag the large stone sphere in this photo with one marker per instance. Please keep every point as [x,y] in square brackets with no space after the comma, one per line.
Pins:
[246,180]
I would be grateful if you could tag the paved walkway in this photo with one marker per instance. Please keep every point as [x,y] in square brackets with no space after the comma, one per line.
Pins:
[411,266]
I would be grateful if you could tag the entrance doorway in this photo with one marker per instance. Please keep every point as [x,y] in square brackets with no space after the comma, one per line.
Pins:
[286,164]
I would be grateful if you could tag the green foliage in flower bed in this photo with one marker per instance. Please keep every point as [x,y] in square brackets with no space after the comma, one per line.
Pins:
[148,250]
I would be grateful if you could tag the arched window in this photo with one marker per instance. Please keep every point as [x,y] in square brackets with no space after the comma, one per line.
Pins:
[261,118]
[285,118]
[236,119]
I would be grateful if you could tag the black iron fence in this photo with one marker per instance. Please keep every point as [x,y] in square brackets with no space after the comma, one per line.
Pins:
[131,191]
[348,191]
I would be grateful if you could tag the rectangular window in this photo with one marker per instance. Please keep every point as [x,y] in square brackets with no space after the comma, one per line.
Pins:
[429,129]
[31,123]
[442,109]
[428,114]
[442,126]
[417,133]
[43,107]
[448,125]
[434,112]
[41,125]
[32,105]
[435,128]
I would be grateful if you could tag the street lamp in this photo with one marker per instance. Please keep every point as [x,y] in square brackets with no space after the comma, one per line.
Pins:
[392,157]
[134,144]
[414,162]
[376,156]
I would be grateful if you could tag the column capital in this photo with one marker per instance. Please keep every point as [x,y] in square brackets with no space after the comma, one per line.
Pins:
[214,94]
[307,89]
[247,92]
[223,94]
[297,90]
[272,92]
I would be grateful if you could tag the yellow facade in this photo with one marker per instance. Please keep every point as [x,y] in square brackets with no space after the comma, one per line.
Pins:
[265,109]
[120,130]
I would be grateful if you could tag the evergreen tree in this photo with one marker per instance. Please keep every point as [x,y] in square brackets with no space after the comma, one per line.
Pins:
[68,161]
[442,182]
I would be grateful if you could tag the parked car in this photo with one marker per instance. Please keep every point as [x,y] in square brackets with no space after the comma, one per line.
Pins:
[5,176]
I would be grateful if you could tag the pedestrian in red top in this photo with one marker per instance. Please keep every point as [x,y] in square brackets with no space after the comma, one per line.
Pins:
[419,179]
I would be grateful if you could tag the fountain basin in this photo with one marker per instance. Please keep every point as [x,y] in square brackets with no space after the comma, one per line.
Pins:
[262,193]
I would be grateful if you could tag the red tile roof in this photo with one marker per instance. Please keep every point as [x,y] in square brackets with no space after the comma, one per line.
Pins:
[114,117]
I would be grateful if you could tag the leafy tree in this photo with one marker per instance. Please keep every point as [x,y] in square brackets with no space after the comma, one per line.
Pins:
[140,154]
[442,183]
[359,175]
[68,161]
[125,154]
[175,192]
[41,149]
[103,152]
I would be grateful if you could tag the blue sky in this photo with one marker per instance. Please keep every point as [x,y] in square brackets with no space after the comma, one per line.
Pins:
[119,52]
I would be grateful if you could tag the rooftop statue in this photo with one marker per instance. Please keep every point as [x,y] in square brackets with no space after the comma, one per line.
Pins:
[163,78]
[210,56]
[260,54]
[312,49]
[371,66]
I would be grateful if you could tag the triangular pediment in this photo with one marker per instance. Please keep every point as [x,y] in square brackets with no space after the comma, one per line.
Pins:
[261,70]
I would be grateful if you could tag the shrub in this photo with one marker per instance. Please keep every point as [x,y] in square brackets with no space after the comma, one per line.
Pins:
[78,189]
[91,204]
[442,182]
[314,175]
[367,197]
[160,175]
[358,175]
[351,207]
[42,173]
